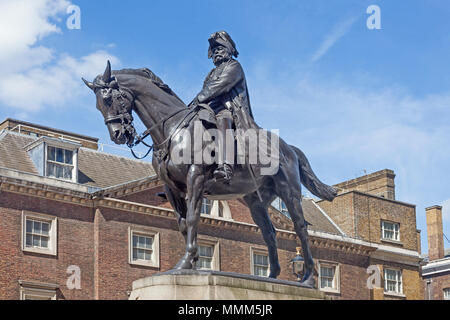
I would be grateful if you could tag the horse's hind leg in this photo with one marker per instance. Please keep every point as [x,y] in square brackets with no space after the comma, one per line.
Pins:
[194,183]
[260,215]
[179,206]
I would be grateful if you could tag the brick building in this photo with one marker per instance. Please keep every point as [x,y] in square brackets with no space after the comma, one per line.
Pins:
[69,212]
[436,265]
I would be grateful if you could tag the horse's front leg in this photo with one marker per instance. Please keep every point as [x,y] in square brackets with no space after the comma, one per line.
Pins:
[194,185]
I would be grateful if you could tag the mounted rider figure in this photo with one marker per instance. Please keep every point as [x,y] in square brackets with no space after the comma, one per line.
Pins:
[225,91]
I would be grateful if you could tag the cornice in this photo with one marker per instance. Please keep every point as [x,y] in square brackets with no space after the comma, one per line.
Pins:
[129,188]
[44,191]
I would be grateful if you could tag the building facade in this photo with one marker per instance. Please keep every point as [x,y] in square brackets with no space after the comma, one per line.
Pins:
[76,223]
[436,265]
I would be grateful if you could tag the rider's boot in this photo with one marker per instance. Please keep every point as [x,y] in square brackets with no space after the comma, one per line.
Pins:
[224,171]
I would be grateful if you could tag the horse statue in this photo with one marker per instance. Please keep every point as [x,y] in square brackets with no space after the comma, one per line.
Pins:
[120,92]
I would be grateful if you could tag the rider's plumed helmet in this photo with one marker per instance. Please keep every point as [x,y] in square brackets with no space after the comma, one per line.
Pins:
[224,39]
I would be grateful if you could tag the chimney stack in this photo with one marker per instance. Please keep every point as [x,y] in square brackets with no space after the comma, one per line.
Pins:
[380,183]
[435,233]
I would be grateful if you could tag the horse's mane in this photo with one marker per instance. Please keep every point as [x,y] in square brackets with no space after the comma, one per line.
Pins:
[148,74]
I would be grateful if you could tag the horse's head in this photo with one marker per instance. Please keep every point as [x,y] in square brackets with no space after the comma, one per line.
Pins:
[115,104]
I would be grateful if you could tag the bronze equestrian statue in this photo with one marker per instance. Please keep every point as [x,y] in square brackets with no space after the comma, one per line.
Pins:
[120,92]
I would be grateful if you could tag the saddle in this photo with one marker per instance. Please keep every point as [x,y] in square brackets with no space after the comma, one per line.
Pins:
[206,114]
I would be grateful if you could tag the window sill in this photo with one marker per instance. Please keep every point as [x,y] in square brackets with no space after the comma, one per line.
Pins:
[399,243]
[330,290]
[394,294]
[49,252]
[150,264]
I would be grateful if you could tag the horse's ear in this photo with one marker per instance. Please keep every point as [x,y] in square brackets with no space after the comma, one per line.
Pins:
[107,74]
[90,85]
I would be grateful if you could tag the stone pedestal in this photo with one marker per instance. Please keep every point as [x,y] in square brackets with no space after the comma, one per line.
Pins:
[215,285]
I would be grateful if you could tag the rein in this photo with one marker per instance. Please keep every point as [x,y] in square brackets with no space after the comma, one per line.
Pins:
[140,138]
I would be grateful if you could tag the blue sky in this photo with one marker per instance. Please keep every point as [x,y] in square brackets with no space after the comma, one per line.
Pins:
[351,98]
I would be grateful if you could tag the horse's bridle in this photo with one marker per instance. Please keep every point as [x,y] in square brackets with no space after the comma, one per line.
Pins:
[126,121]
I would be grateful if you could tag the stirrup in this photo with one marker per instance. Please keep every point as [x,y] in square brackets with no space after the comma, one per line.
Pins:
[223,172]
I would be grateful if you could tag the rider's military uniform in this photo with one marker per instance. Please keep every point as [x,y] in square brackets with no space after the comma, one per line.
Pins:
[225,89]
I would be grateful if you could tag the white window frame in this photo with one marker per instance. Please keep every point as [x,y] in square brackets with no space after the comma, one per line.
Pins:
[206,203]
[336,282]
[53,232]
[396,239]
[37,291]
[262,252]
[73,166]
[399,289]
[215,262]
[154,262]
[446,293]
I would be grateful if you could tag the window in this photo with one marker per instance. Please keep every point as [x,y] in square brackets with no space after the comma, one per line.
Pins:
[390,230]
[447,294]
[206,206]
[329,277]
[38,233]
[208,255]
[205,257]
[393,281]
[143,247]
[55,157]
[59,163]
[260,264]
[37,291]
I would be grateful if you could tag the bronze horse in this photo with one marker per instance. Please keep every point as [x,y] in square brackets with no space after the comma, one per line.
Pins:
[120,92]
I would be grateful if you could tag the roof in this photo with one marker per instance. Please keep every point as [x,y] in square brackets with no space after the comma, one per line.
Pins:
[317,219]
[95,168]
[38,126]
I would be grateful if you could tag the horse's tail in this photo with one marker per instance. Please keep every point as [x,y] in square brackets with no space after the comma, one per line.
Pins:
[309,179]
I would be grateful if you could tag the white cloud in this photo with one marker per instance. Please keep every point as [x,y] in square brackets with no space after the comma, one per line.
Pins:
[22,24]
[332,37]
[34,76]
[52,85]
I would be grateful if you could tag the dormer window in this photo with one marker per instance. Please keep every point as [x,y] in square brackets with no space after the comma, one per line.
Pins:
[55,158]
[215,208]
[59,163]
